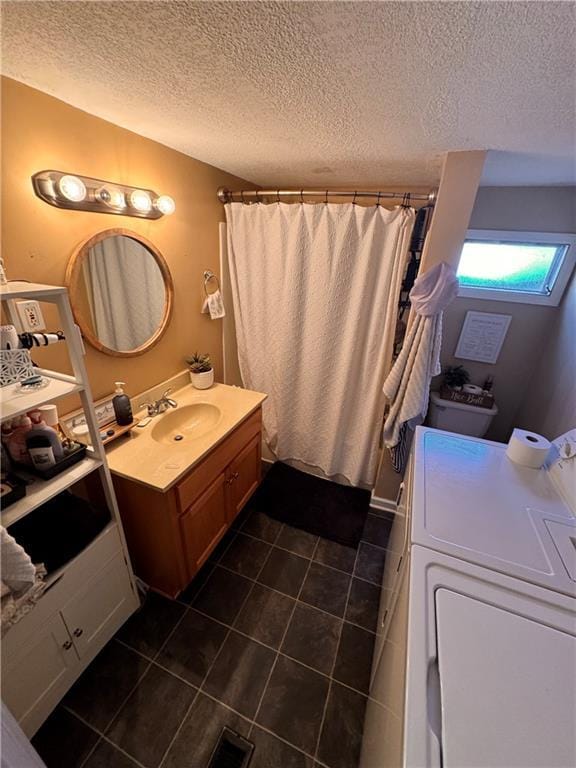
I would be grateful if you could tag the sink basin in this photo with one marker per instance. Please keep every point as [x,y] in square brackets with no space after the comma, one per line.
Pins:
[184,424]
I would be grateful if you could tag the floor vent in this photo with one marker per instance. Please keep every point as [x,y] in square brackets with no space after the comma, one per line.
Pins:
[232,751]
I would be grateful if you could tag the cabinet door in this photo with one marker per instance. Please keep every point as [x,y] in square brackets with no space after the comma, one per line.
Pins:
[37,671]
[101,607]
[244,476]
[204,524]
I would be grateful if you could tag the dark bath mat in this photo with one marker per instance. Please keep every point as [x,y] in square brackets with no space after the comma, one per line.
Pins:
[335,512]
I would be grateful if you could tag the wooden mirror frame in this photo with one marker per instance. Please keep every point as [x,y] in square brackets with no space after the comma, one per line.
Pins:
[73,270]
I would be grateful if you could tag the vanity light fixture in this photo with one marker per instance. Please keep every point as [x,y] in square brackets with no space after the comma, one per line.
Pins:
[140,200]
[165,204]
[83,193]
[112,197]
[72,188]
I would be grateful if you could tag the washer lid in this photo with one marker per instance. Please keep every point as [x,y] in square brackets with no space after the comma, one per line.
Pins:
[472,502]
[507,692]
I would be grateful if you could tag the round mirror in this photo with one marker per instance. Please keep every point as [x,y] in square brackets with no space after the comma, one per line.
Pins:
[121,292]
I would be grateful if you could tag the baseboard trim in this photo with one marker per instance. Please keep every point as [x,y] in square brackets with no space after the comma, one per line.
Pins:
[382,505]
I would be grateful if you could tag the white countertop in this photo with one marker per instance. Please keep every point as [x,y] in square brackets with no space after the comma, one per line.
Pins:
[141,458]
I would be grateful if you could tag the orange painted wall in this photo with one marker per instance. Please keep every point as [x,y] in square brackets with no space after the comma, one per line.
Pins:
[40,132]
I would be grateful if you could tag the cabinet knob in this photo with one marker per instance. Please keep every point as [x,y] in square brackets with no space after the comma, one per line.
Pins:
[78,632]
[235,475]
[67,645]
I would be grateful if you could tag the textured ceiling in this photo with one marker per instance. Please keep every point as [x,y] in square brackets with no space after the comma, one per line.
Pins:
[315,93]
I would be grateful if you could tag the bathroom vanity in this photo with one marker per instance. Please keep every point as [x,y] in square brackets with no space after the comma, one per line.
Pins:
[181,480]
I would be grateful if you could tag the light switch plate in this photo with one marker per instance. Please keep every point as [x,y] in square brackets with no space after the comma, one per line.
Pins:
[30,316]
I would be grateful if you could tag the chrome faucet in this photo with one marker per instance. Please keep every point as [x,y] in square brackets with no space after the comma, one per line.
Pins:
[161,405]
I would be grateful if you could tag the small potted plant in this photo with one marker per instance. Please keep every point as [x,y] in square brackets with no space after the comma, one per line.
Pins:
[455,377]
[201,371]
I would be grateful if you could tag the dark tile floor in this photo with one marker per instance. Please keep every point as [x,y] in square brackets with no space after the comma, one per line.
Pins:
[274,639]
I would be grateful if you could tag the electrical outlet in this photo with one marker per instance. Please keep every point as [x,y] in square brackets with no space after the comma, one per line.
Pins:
[30,316]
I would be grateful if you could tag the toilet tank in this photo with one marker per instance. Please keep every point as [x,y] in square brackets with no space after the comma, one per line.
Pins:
[459,417]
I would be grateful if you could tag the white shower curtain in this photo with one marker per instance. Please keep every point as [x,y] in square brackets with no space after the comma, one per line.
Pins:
[315,291]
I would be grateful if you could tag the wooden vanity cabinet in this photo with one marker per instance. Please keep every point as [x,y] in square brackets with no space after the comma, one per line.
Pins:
[244,476]
[205,522]
[170,535]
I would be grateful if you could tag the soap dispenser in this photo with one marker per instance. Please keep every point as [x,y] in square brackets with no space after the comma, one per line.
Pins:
[121,405]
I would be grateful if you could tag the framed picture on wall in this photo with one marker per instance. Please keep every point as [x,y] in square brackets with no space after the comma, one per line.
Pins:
[482,336]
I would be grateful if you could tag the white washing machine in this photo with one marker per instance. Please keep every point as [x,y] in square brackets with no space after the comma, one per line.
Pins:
[491,674]
[475,504]
[475,661]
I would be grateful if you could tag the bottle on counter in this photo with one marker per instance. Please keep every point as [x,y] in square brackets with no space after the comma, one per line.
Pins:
[49,414]
[41,451]
[5,464]
[35,416]
[6,431]
[43,445]
[81,434]
[121,405]
[16,442]
[488,384]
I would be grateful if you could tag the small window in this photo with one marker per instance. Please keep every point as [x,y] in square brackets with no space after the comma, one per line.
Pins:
[525,267]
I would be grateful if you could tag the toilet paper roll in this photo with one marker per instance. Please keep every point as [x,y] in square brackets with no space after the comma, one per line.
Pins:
[527,449]
[472,389]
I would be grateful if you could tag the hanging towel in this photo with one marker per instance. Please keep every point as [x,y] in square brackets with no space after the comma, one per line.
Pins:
[407,386]
[22,581]
[214,306]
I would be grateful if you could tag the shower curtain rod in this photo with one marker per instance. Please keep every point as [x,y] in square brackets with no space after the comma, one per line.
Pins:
[226,195]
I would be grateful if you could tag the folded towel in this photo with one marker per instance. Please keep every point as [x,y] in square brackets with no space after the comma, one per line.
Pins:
[214,306]
[408,383]
[22,582]
[18,570]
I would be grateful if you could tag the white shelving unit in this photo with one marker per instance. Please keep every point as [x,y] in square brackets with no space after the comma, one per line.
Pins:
[14,402]
[41,491]
[90,597]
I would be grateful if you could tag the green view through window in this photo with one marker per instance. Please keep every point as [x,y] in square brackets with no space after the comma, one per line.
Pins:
[522,267]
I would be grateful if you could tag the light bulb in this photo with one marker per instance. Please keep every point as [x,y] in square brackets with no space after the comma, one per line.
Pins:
[111,197]
[117,198]
[72,188]
[165,204]
[140,200]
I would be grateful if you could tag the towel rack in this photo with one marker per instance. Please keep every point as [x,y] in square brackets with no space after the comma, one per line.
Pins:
[209,275]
